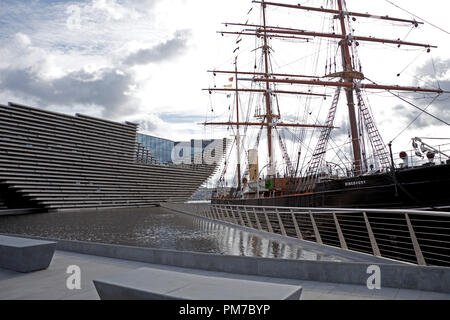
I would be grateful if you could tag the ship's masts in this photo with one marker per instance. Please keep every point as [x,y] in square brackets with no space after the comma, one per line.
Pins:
[271,170]
[238,136]
[347,66]
[350,79]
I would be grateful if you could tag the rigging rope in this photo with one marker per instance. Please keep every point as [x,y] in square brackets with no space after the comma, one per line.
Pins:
[412,122]
[409,64]
[418,17]
[415,106]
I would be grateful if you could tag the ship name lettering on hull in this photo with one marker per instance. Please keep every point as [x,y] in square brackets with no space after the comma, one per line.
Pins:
[355,183]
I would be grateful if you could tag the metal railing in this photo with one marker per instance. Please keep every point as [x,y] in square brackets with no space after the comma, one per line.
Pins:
[419,237]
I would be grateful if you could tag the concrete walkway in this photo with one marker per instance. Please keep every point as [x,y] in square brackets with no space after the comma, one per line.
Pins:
[51,284]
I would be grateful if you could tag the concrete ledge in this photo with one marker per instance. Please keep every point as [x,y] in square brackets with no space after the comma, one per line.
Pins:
[156,284]
[19,212]
[25,255]
[400,276]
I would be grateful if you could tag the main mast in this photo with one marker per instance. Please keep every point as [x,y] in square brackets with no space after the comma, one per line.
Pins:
[269,118]
[348,76]
[238,134]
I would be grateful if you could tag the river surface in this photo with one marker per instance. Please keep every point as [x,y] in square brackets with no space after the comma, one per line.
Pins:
[155,228]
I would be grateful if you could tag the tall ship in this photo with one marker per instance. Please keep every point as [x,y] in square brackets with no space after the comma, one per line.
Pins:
[285,148]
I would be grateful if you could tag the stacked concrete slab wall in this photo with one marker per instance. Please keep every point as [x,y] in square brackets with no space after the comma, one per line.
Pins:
[58,161]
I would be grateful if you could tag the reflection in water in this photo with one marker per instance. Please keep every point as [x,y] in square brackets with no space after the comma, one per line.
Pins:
[155,228]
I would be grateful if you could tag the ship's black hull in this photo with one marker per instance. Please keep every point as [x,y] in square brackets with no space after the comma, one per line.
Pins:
[421,187]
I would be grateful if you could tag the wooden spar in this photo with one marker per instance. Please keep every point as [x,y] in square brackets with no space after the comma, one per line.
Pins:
[339,12]
[271,125]
[263,74]
[264,91]
[256,25]
[275,33]
[259,35]
[350,85]
[347,66]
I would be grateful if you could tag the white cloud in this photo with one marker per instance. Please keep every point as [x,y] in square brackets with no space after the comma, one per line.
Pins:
[23,40]
[131,60]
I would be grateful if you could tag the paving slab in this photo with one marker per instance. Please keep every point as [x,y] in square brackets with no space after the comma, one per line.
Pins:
[50,284]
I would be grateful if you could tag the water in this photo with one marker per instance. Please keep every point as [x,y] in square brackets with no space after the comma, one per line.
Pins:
[155,228]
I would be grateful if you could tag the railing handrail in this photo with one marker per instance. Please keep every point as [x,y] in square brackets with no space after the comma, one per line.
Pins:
[346,210]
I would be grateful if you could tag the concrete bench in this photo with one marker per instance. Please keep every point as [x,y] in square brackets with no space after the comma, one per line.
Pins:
[25,255]
[157,284]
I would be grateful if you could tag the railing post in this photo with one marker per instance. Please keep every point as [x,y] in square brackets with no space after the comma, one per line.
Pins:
[373,241]
[340,234]
[209,213]
[216,214]
[316,229]
[297,228]
[232,214]
[257,219]
[283,230]
[241,221]
[213,214]
[250,224]
[219,214]
[216,210]
[226,212]
[212,211]
[269,225]
[417,250]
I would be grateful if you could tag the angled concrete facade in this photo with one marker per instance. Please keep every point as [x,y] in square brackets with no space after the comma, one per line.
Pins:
[61,162]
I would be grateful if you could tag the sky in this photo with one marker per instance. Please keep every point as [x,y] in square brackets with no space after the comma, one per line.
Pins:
[146,61]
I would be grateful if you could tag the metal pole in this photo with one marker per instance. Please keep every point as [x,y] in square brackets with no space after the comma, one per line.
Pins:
[417,250]
[316,229]
[373,240]
[297,228]
[283,230]
[340,233]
